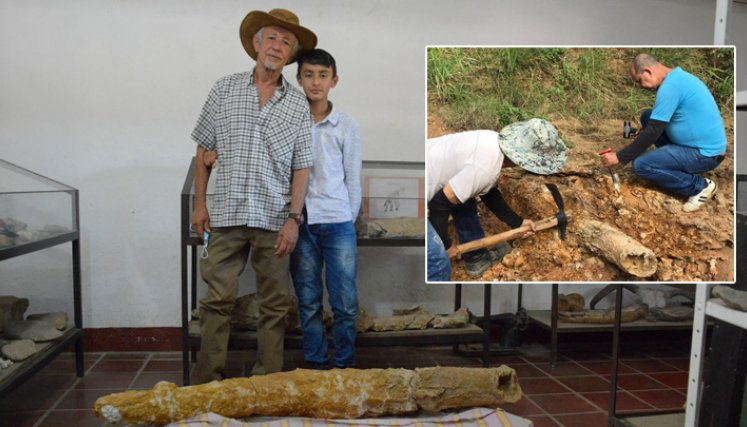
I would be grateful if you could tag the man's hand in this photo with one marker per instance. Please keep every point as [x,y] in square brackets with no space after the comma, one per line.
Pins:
[210,158]
[200,220]
[530,224]
[287,238]
[453,252]
[609,159]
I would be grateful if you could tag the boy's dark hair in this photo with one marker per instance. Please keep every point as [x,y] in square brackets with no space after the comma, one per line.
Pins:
[316,57]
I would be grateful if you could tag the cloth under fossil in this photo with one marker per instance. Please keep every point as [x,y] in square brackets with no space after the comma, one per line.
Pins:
[338,393]
[473,417]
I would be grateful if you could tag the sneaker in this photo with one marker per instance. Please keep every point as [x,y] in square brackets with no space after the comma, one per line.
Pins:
[695,202]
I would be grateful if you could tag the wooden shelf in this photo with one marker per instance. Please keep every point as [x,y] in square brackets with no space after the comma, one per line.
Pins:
[543,319]
[467,334]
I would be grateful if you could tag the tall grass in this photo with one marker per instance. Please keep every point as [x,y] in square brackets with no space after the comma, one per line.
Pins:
[488,88]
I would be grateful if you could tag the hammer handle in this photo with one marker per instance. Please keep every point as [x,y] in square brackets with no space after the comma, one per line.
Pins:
[487,241]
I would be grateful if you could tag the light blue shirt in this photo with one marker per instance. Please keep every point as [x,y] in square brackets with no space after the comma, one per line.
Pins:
[693,119]
[335,182]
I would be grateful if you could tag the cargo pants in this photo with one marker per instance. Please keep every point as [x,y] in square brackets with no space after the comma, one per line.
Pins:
[228,250]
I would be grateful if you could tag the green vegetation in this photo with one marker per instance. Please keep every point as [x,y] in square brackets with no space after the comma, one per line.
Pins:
[488,88]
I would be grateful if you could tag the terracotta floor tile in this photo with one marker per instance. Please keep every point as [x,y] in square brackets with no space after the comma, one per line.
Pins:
[106,380]
[562,403]
[163,366]
[524,407]
[585,383]
[682,364]
[147,380]
[20,419]
[126,356]
[117,366]
[625,401]
[649,365]
[580,355]
[672,379]
[605,368]
[543,421]
[525,370]
[541,386]
[73,417]
[564,369]
[83,399]
[583,420]
[637,382]
[39,392]
[662,399]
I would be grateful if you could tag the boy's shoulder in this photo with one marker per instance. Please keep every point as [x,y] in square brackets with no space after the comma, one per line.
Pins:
[343,118]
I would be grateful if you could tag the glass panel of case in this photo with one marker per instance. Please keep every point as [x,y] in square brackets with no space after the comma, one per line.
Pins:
[32,207]
[393,200]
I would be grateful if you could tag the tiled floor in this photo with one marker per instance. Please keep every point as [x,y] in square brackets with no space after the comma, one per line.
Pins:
[574,393]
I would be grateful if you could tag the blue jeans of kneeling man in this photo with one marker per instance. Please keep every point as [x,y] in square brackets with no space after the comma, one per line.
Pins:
[673,167]
[335,247]
[438,263]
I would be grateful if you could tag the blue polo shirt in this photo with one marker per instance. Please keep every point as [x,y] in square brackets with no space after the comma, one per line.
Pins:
[692,116]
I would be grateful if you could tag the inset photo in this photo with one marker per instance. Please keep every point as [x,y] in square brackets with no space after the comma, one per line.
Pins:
[580,164]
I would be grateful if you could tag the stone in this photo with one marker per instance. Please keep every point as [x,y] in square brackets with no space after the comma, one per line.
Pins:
[571,302]
[5,363]
[731,297]
[12,308]
[18,350]
[455,320]
[365,321]
[58,319]
[36,330]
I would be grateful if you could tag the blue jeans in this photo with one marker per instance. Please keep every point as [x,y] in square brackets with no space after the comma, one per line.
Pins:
[439,265]
[335,246]
[673,167]
[468,227]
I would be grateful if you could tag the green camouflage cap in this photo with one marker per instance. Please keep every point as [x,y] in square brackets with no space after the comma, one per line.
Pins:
[534,145]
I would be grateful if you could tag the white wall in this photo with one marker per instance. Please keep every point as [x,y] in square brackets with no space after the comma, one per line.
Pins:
[102,95]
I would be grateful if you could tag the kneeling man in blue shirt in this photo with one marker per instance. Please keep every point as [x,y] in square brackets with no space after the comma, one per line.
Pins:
[686,127]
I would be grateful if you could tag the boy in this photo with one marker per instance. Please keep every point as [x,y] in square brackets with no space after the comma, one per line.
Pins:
[327,236]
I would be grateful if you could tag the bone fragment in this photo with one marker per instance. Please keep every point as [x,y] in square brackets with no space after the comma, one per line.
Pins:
[617,247]
[339,393]
[605,316]
[731,297]
[456,319]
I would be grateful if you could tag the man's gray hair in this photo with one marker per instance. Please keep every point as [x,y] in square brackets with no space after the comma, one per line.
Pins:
[644,60]
[294,50]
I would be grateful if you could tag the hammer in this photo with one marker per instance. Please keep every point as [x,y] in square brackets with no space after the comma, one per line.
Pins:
[613,174]
[560,220]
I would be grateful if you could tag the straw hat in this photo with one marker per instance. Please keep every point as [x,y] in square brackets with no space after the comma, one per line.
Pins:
[279,17]
[534,145]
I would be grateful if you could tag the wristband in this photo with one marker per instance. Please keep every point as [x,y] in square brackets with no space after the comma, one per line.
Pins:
[297,217]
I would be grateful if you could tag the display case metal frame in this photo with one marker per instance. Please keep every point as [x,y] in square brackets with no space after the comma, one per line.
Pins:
[24,370]
[247,340]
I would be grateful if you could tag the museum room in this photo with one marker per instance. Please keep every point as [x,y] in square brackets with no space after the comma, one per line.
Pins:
[421,213]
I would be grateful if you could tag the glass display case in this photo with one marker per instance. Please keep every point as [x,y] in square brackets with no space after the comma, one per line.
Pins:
[392,204]
[37,213]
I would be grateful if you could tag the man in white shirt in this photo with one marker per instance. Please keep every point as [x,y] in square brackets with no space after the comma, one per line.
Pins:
[464,165]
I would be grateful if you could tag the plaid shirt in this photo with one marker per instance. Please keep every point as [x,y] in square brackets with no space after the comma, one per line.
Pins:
[258,149]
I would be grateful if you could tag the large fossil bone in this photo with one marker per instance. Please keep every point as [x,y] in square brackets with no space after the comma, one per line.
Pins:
[617,247]
[339,393]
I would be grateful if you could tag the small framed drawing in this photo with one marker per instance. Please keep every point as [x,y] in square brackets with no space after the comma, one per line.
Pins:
[393,197]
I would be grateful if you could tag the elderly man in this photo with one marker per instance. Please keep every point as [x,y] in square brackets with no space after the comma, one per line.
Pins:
[686,127]
[260,127]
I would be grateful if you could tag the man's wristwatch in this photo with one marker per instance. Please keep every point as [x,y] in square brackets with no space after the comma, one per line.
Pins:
[296,216]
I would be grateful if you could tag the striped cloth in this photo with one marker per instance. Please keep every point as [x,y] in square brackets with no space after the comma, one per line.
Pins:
[476,417]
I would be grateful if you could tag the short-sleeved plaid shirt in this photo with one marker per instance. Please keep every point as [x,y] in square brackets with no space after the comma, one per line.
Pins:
[258,149]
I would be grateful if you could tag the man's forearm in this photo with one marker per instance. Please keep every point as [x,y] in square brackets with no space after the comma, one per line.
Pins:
[299,187]
[648,136]
[202,174]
